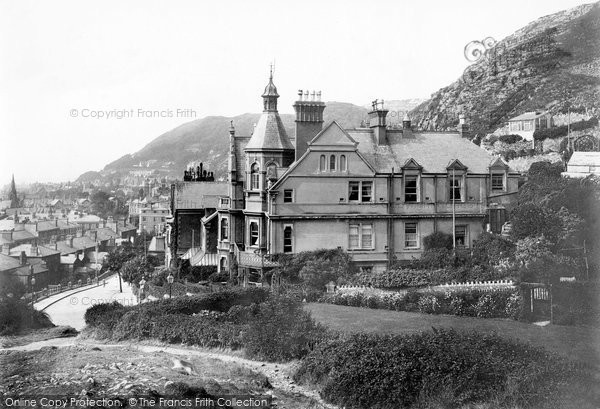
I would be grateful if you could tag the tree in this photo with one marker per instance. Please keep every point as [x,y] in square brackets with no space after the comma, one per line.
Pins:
[11,286]
[137,268]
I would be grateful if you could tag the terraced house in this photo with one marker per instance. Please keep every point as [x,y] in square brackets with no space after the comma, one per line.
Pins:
[374,191]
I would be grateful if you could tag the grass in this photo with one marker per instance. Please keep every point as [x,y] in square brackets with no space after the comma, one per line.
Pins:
[577,343]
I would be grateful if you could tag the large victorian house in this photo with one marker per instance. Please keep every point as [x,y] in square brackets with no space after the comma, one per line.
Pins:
[374,192]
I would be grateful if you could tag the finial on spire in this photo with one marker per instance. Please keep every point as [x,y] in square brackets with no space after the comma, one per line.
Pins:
[271,70]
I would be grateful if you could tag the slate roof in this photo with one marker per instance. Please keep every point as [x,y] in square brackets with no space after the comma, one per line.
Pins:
[65,249]
[8,263]
[22,235]
[105,233]
[528,115]
[269,133]
[83,242]
[199,195]
[42,251]
[433,151]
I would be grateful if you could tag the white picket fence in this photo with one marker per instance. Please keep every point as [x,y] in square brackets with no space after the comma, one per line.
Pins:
[469,285]
[475,285]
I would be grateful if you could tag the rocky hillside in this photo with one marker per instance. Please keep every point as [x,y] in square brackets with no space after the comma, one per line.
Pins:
[553,63]
[207,140]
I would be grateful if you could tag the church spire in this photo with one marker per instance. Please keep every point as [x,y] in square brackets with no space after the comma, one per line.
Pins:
[270,95]
[12,196]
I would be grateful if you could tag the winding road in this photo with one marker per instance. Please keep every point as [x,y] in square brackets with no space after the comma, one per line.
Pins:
[69,307]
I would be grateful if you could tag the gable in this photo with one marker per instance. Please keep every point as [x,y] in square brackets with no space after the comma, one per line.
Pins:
[498,163]
[456,165]
[412,164]
[332,135]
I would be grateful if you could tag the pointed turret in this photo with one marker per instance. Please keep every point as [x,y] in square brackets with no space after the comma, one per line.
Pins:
[269,133]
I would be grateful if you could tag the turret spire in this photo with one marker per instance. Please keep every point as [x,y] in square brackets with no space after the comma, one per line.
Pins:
[270,95]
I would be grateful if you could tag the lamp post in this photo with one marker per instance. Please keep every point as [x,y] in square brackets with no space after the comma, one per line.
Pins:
[32,282]
[142,284]
[170,279]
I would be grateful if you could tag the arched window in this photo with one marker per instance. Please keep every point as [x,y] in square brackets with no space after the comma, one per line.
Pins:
[322,163]
[255,177]
[343,163]
[332,162]
[224,228]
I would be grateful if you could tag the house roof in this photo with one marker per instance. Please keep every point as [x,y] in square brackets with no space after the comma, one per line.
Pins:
[528,115]
[64,248]
[433,151]
[22,235]
[42,251]
[585,159]
[199,195]
[8,263]
[83,242]
[269,133]
[105,233]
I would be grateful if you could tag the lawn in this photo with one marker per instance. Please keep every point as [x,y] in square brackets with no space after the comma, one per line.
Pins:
[578,343]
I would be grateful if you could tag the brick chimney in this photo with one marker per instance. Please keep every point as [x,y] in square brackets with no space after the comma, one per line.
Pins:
[33,250]
[6,249]
[463,127]
[23,258]
[377,121]
[309,119]
[70,240]
[406,127]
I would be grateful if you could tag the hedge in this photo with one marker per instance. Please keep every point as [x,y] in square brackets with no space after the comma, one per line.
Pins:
[562,130]
[442,368]
[18,315]
[273,329]
[502,303]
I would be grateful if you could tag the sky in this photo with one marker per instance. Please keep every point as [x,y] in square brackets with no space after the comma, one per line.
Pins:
[83,83]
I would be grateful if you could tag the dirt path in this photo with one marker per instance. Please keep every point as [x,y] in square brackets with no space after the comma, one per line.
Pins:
[279,375]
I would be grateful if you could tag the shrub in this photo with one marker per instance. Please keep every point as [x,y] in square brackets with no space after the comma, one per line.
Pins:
[438,240]
[17,315]
[280,331]
[510,139]
[385,371]
[428,304]
[559,131]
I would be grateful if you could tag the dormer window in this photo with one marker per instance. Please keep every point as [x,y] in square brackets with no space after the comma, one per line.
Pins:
[498,182]
[456,188]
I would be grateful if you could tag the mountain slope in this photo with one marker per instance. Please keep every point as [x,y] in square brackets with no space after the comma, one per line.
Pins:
[207,140]
[553,63]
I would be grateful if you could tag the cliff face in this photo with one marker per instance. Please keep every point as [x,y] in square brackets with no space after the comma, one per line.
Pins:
[552,63]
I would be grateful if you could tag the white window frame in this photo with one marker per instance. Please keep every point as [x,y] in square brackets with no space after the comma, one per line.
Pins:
[466,236]
[360,191]
[292,241]
[291,196]
[503,176]
[250,222]
[360,228]
[417,188]
[416,233]
[221,229]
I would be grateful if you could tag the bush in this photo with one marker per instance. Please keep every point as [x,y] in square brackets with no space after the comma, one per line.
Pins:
[501,303]
[280,331]
[510,139]
[317,268]
[17,315]
[560,131]
[438,240]
[460,369]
